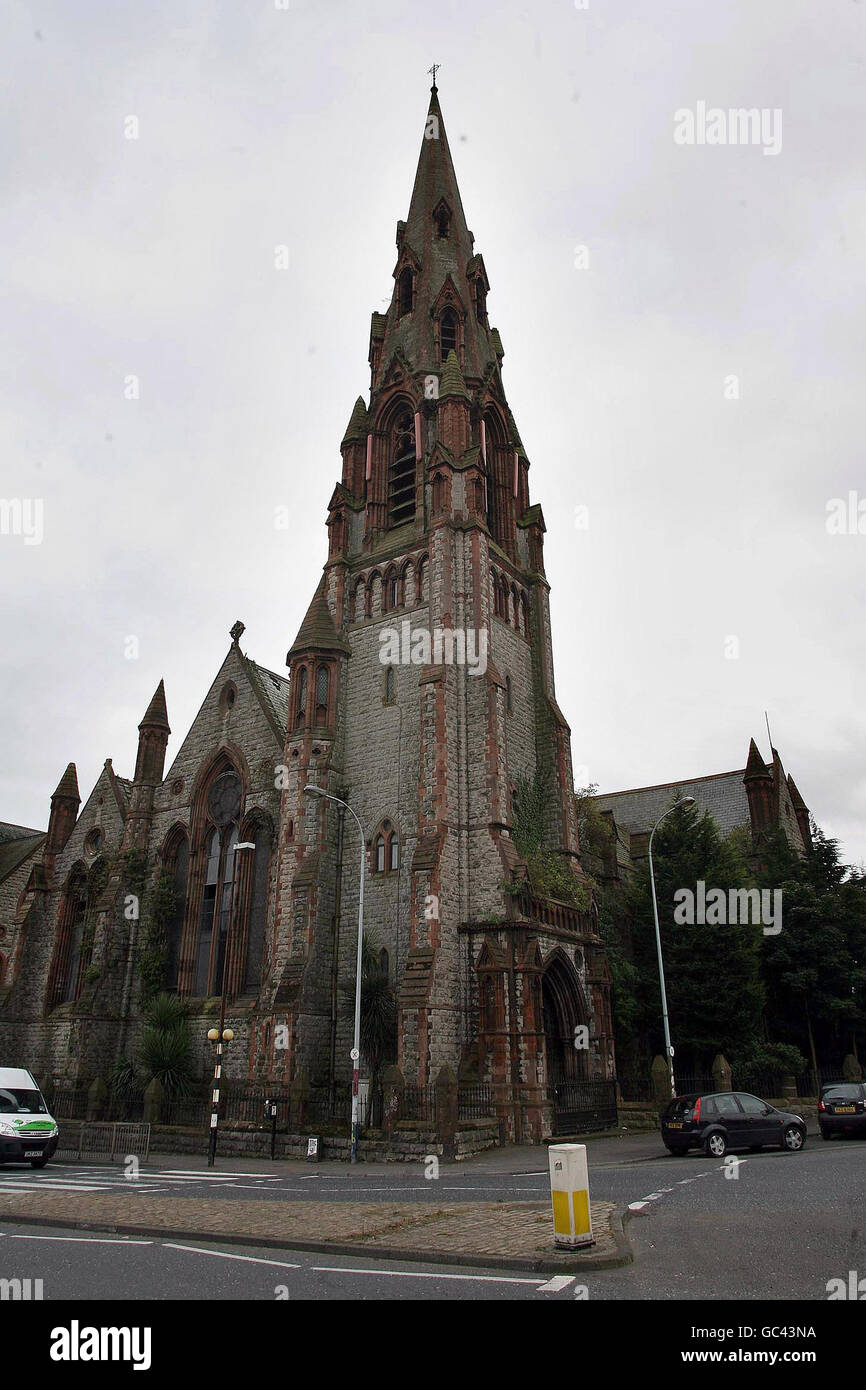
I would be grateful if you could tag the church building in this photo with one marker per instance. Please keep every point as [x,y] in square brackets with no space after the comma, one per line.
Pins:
[420,692]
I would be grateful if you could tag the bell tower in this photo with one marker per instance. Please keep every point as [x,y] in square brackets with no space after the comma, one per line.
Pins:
[432,618]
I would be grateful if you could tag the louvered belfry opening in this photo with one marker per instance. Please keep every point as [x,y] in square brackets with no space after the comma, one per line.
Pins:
[401,478]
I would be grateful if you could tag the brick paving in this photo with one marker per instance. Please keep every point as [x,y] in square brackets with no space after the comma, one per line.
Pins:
[514,1234]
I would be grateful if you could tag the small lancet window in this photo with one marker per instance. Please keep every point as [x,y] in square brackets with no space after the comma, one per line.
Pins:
[442,218]
[404,293]
[447,333]
[322,695]
[390,685]
[380,854]
[480,301]
[301,706]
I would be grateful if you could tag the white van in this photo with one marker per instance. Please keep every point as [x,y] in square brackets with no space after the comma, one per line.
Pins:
[27,1132]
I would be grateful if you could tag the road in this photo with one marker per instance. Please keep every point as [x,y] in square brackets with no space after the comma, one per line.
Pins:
[770,1225]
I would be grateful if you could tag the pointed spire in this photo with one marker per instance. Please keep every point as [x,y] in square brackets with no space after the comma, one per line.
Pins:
[357,426]
[797,800]
[156,715]
[317,631]
[436,244]
[755,765]
[451,382]
[67,787]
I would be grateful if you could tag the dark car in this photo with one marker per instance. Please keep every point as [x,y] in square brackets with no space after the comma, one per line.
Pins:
[842,1109]
[723,1120]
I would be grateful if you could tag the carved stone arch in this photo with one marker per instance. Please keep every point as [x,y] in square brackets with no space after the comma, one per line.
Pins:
[374,594]
[422,579]
[564,1009]
[407,582]
[359,599]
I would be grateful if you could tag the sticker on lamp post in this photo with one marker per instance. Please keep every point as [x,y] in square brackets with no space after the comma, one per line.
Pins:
[569,1193]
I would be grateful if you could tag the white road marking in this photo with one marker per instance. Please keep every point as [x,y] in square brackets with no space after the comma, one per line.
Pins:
[82,1240]
[415,1274]
[558,1282]
[224,1255]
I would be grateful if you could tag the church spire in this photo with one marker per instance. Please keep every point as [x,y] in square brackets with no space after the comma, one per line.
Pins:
[440,299]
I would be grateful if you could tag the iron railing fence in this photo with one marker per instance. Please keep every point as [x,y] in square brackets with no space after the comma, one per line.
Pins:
[475,1102]
[583,1106]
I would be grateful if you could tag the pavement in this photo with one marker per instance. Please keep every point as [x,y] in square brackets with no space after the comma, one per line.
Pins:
[507,1234]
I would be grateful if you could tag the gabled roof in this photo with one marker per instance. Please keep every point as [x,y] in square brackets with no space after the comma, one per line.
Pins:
[273,693]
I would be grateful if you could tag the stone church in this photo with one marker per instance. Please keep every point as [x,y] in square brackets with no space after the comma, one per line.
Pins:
[420,691]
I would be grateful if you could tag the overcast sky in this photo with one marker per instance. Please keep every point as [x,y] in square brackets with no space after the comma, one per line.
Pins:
[260,126]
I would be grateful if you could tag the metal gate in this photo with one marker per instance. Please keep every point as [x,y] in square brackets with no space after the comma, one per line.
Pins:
[581,1106]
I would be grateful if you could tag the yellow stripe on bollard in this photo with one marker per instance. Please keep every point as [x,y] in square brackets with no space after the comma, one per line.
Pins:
[561,1214]
[569,1195]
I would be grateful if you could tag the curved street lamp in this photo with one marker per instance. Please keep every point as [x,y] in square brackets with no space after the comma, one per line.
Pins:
[678,805]
[356,1046]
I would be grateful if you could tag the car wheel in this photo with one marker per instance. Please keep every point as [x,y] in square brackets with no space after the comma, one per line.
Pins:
[38,1162]
[716,1145]
[793,1139]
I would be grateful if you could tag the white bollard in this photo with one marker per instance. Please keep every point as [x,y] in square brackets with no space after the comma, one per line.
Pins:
[569,1193]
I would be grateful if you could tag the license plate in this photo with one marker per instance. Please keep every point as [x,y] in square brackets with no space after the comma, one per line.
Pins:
[32,1153]
[674,1124]
[845,1110]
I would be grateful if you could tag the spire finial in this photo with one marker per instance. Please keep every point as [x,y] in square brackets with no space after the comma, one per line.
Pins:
[237,632]
[435,68]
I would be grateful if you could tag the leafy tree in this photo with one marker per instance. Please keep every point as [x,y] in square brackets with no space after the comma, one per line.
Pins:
[814,969]
[712,973]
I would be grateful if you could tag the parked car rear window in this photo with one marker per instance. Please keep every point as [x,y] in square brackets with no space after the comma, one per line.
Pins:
[852,1091]
[683,1105]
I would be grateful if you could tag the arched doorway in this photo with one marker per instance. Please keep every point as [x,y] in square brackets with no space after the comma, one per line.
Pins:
[563,1010]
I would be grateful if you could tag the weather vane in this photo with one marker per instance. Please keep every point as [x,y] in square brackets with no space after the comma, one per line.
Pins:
[435,68]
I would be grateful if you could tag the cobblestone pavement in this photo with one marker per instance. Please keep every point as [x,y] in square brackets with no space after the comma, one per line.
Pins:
[512,1234]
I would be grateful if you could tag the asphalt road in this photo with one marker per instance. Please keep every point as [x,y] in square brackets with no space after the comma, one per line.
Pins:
[770,1225]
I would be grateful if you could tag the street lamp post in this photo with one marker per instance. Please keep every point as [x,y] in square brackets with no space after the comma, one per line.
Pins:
[686,801]
[356,1045]
[223,1034]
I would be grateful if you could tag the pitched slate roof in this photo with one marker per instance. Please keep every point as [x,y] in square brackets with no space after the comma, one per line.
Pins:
[273,691]
[722,794]
[17,843]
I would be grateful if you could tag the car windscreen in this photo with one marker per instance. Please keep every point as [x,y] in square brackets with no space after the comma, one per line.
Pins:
[852,1091]
[683,1105]
[21,1102]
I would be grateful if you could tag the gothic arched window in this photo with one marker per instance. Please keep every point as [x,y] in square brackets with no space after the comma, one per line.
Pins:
[301,700]
[216,899]
[322,684]
[66,982]
[390,685]
[393,851]
[404,292]
[447,333]
[380,854]
[401,474]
